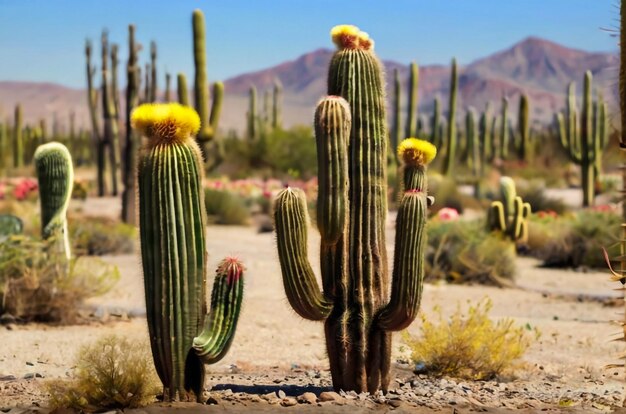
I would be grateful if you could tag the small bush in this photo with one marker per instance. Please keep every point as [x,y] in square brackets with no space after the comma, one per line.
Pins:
[224,207]
[97,236]
[447,195]
[534,193]
[112,373]
[575,240]
[37,285]
[464,252]
[469,344]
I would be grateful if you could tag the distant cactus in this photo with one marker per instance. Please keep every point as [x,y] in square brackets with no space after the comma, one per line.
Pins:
[436,136]
[411,111]
[450,155]
[584,138]
[485,137]
[167,97]
[252,115]
[181,88]
[18,140]
[510,214]
[55,176]
[523,126]
[503,147]
[396,129]
[356,303]
[174,255]
[277,102]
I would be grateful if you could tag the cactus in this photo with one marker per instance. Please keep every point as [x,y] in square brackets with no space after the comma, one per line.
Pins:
[172,223]
[277,98]
[181,88]
[153,72]
[252,116]
[436,137]
[167,97]
[110,132]
[452,138]
[584,141]
[485,138]
[523,125]
[18,141]
[208,125]
[351,210]
[510,214]
[503,147]
[411,112]
[55,176]
[473,150]
[396,132]
[133,78]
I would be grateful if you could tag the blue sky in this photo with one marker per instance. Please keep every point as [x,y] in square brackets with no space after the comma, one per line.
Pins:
[43,40]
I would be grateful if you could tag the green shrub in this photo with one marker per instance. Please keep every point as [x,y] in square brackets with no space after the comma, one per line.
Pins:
[224,207]
[447,194]
[97,236]
[35,285]
[464,252]
[534,193]
[576,240]
[112,373]
[469,344]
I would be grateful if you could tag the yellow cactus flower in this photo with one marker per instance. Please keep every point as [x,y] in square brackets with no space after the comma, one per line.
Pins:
[416,152]
[170,122]
[346,36]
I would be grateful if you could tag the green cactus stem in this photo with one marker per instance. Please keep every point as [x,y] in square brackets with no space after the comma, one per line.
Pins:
[153,72]
[252,116]
[435,124]
[18,140]
[396,130]
[503,147]
[509,215]
[181,88]
[411,112]
[172,223]
[523,125]
[167,97]
[277,103]
[485,138]
[452,138]
[55,175]
[355,304]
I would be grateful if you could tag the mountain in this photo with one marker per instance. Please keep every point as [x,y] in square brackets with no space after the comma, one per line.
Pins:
[535,66]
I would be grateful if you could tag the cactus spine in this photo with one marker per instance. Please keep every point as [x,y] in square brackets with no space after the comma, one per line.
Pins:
[181,88]
[452,138]
[208,125]
[173,249]
[583,140]
[509,215]
[411,112]
[55,176]
[18,139]
[352,205]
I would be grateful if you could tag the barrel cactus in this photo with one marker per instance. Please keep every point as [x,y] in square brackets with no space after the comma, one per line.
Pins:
[509,215]
[172,225]
[357,304]
[55,175]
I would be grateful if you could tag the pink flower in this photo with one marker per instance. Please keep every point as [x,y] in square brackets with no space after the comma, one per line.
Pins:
[447,214]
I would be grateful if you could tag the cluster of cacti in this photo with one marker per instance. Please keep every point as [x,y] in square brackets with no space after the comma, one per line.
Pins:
[206,137]
[510,214]
[55,175]
[584,136]
[355,304]
[172,224]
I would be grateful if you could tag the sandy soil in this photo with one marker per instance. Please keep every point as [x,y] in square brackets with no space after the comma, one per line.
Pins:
[274,346]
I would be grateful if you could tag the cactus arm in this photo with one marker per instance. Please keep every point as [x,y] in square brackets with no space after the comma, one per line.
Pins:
[290,220]
[216,105]
[221,321]
[495,217]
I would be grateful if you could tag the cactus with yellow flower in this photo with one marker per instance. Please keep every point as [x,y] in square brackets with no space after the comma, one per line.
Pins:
[359,303]
[172,224]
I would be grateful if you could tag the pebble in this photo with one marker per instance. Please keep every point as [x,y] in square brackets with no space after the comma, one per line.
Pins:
[330,396]
[212,401]
[307,398]
[288,402]
[281,394]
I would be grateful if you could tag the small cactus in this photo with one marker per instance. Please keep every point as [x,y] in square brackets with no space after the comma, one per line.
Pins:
[509,215]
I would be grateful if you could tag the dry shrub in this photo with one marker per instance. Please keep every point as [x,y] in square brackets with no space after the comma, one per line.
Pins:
[38,285]
[97,236]
[114,372]
[224,207]
[469,344]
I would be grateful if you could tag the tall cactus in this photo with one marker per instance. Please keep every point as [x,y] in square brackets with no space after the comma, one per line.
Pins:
[523,126]
[503,145]
[436,137]
[583,140]
[396,129]
[153,72]
[485,137]
[411,111]
[252,115]
[181,88]
[352,204]
[173,250]
[111,129]
[208,123]
[277,104]
[55,175]
[449,160]
[473,145]
[510,214]
[18,140]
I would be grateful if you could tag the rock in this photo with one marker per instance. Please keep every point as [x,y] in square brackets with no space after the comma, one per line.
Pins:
[330,396]
[281,394]
[288,402]
[212,401]
[32,375]
[7,318]
[7,378]
[307,398]
[270,397]
[394,403]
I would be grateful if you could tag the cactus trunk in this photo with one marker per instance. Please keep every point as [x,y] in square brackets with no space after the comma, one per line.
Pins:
[452,138]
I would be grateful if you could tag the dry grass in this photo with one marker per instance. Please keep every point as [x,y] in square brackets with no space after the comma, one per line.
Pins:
[469,344]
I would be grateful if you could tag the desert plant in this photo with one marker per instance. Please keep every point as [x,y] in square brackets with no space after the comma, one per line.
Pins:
[10,225]
[358,310]
[462,251]
[223,207]
[172,225]
[468,344]
[18,139]
[450,157]
[411,110]
[113,372]
[534,193]
[509,215]
[97,236]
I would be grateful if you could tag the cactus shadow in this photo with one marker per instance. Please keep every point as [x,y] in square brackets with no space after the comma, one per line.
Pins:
[261,389]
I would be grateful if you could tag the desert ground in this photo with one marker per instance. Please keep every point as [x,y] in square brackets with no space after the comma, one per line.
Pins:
[277,357]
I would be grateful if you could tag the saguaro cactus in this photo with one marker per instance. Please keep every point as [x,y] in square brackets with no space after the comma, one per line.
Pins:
[583,141]
[449,161]
[523,126]
[396,129]
[18,141]
[55,175]
[277,103]
[509,215]
[411,111]
[355,303]
[183,92]
[173,249]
